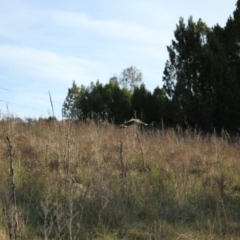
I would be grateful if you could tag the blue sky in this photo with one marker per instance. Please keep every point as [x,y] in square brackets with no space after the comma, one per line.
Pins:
[46,44]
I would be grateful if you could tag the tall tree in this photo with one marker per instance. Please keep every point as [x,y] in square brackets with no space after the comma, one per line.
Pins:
[200,77]
[182,70]
[229,38]
[217,86]
[130,78]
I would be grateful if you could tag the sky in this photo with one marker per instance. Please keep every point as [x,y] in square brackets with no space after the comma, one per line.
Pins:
[46,44]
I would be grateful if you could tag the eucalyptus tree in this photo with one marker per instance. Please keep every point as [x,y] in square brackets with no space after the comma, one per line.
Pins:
[130,78]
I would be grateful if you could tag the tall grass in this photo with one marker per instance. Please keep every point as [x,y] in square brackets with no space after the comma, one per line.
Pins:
[81,181]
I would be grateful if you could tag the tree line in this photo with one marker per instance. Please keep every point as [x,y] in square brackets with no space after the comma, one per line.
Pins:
[120,99]
[201,83]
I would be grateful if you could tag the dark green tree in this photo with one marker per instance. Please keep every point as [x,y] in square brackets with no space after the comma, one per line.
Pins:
[118,101]
[140,102]
[182,70]
[219,96]
[159,107]
[200,77]
[231,40]
[71,107]
[228,98]
[97,101]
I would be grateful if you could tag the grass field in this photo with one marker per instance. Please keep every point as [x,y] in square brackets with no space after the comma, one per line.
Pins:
[62,180]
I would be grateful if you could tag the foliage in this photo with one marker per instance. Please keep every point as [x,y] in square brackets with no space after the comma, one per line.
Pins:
[130,78]
[201,77]
[183,70]
[109,102]
[71,107]
[201,84]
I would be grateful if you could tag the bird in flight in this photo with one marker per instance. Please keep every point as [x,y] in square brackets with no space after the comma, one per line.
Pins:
[133,121]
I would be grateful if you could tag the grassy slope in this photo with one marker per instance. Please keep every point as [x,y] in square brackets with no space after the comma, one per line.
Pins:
[77,181]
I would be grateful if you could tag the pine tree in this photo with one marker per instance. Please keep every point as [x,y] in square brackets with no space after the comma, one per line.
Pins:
[182,70]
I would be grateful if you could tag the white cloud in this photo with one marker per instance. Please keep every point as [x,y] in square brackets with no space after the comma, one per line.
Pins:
[47,64]
[29,23]
[128,30]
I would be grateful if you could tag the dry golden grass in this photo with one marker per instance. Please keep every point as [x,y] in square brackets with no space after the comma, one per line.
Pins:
[80,181]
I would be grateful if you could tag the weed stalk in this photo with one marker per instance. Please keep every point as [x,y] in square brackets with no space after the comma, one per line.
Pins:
[13,225]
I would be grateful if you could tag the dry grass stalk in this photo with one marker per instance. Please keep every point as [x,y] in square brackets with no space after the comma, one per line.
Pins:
[13,225]
[73,174]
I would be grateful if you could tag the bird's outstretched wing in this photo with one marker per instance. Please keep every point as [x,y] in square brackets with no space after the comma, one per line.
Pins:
[135,121]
